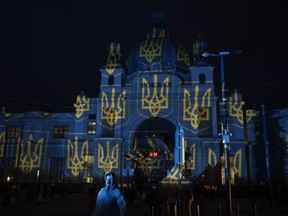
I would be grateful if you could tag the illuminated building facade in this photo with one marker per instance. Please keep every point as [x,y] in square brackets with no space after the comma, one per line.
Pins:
[130,127]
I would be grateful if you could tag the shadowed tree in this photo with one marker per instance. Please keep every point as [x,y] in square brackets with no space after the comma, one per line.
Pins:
[267,131]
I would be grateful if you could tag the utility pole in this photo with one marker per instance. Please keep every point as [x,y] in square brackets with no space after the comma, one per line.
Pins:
[267,156]
[225,134]
[179,160]
[3,160]
[19,152]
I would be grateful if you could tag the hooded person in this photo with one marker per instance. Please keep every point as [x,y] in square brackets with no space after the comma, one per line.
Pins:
[110,201]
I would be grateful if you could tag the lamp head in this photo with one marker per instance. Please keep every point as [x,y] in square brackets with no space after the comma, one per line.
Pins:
[205,54]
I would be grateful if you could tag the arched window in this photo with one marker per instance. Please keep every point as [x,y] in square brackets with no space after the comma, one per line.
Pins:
[202,78]
[111,80]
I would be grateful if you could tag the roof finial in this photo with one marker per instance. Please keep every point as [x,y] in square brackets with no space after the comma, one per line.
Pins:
[158,24]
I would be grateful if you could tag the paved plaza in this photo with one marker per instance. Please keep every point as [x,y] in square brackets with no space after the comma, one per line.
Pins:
[77,204]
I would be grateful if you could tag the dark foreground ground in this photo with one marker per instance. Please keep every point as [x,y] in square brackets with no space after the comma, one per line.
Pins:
[77,204]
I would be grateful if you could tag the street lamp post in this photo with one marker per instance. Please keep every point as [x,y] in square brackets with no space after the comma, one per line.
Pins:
[4,155]
[225,134]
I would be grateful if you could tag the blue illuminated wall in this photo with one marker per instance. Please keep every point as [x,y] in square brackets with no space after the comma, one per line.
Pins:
[159,88]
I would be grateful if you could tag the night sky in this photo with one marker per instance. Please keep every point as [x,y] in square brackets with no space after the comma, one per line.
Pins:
[52,50]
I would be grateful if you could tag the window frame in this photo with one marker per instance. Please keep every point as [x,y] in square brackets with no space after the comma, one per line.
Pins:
[60,132]
[91,128]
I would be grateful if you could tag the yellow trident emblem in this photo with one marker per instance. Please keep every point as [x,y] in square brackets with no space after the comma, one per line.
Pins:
[81,105]
[146,165]
[110,160]
[150,48]
[113,59]
[2,143]
[249,114]
[153,102]
[29,160]
[76,161]
[6,114]
[236,109]
[194,114]
[174,175]
[238,163]
[182,55]
[190,164]
[212,158]
[111,112]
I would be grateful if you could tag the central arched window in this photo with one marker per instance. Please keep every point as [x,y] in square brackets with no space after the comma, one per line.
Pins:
[111,80]
[202,78]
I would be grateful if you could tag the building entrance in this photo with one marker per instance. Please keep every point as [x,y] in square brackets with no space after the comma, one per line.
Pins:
[153,149]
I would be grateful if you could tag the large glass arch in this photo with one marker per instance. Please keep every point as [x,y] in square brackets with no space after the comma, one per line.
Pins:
[153,148]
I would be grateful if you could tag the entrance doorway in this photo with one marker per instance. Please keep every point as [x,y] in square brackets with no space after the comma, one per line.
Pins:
[153,145]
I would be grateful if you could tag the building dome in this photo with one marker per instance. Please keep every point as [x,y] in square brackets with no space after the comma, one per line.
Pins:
[199,47]
[158,52]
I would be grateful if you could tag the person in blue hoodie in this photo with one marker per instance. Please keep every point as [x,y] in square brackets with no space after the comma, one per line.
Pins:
[110,201]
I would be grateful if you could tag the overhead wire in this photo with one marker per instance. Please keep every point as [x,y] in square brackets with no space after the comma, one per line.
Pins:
[35,102]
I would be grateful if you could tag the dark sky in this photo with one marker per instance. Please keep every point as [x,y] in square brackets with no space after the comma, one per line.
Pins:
[51,50]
